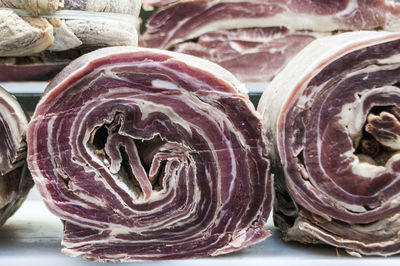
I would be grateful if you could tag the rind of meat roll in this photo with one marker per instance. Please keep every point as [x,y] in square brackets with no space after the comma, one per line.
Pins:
[15,179]
[185,20]
[150,155]
[333,114]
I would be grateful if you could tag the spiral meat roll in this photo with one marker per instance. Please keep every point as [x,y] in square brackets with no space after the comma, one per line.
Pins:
[149,155]
[333,114]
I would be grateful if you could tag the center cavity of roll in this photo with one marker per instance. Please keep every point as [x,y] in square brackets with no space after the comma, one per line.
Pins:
[373,127]
[380,138]
[141,164]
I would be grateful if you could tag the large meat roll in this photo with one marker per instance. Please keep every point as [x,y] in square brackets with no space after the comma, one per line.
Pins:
[150,155]
[333,114]
[15,180]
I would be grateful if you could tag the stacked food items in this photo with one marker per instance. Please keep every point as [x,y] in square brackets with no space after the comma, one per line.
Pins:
[147,154]
[40,37]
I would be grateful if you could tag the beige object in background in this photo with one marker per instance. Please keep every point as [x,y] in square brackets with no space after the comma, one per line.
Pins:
[66,27]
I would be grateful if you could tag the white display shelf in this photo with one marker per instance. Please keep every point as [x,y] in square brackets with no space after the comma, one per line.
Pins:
[39,87]
[24,87]
[33,237]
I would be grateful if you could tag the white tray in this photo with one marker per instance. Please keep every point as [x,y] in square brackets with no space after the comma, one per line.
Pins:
[33,236]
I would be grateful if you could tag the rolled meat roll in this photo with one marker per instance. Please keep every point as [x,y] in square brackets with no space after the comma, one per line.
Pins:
[333,114]
[150,155]
[15,180]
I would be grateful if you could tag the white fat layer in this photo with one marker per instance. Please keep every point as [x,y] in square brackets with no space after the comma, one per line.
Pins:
[290,19]
[162,84]
[394,59]
[234,45]
[367,170]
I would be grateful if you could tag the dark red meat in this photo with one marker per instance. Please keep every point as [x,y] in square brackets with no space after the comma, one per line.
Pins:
[15,180]
[333,114]
[150,155]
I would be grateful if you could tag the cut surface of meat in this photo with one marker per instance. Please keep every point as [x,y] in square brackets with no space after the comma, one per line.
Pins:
[333,114]
[253,55]
[15,180]
[227,32]
[150,155]
[187,20]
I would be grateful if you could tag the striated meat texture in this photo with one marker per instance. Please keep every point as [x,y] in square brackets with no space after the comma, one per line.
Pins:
[15,179]
[263,51]
[186,20]
[333,115]
[223,30]
[149,155]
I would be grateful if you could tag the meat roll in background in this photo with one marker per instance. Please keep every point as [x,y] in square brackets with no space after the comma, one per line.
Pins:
[147,155]
[15,180]
[39,38]
[333,115]
[255,39]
